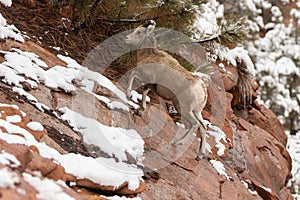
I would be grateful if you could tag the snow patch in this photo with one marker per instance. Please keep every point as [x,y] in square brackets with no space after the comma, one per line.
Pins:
[21,63]
[9,31]
[266,189]
[8,178]
[114,141]
[103,171]
[21,191]
[9,105]
[238,53]
[35,126]
[30,98]
[14,118]
[6,2]
[12,139]
[9,159]
[219,135]
[135,96]
[32,56]
[219,167]
[47,189]
[84,73]
[122,198]
[246,184]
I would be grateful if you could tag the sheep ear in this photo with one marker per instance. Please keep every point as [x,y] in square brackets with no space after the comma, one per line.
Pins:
[150,29]
[148,23]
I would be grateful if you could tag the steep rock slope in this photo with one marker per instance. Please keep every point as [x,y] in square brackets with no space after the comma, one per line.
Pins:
[70,132]
[242,164]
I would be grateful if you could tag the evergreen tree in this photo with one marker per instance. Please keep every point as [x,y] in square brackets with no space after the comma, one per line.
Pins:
[173,14]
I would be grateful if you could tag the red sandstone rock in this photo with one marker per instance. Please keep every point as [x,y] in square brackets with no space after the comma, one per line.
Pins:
[229,75]
[255,151]
[267,120]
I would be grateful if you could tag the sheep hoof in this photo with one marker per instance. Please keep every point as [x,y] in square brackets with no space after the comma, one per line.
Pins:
[176,143]
[198,158]
[129,97]
[140,111]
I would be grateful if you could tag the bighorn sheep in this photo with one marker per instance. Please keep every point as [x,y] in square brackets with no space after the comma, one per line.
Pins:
[163,75]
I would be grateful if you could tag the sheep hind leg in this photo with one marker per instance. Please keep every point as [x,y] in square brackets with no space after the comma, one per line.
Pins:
[202,128]
[191,118]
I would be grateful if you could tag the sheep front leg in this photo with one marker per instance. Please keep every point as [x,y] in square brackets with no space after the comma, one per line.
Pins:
[129,86]
[143,106]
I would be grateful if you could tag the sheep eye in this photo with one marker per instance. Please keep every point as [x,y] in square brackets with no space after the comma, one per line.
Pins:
[139,32]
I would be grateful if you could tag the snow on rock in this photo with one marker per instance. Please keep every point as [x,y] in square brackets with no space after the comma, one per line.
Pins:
[10,76]
[14,118]
[107,173]
[84,73]
[135,96]
[47,189]
[30,98]
[9,159]
[122,198]
[103,171]
[114,141]
[9,31]
[219,136]
[267,189]
[35,126]
[238,53]
[60,77]
[12,139]
[2,20]
[6,30]
[6,2]
[246,184]
[8,178]
[9,105]
[32,56]
[219,167]
[21,63]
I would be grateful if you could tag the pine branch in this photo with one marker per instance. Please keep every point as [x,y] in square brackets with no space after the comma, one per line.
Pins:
[209,39]
[233,31]
[121,20]
[126,20]
[91,15]
[230,31]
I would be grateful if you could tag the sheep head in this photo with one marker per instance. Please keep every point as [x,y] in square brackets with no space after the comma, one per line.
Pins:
[142,36]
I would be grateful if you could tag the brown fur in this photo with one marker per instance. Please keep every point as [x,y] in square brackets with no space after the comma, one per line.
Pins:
[163,74]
